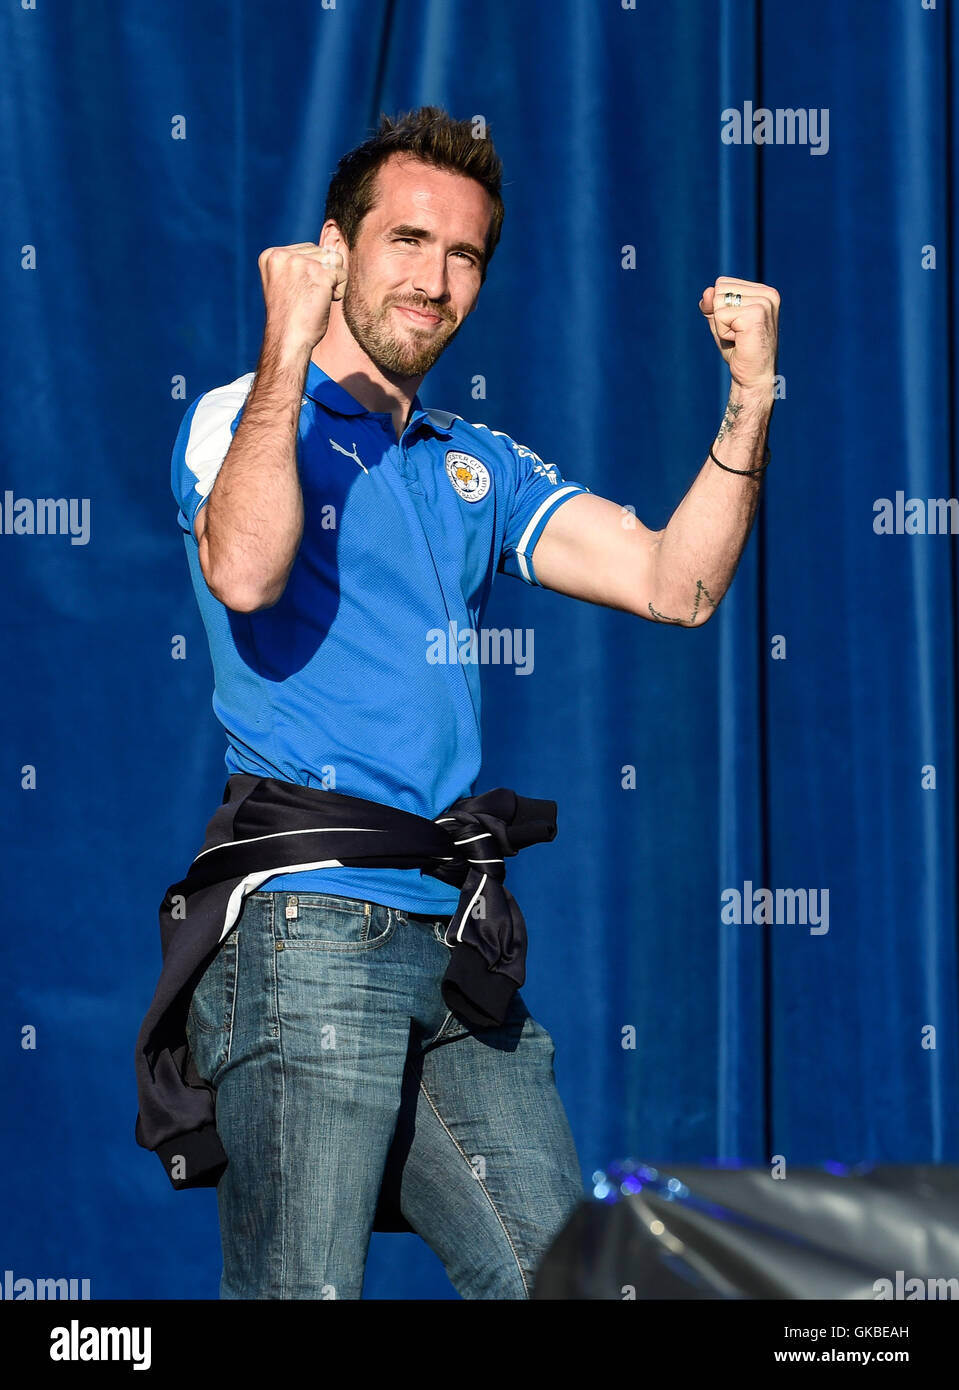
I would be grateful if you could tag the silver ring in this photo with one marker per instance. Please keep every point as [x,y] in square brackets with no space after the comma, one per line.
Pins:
[729,298]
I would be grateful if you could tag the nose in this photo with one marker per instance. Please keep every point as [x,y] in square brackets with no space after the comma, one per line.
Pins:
[430,276]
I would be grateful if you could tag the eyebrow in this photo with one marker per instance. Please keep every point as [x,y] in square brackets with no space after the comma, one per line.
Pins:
[405,230]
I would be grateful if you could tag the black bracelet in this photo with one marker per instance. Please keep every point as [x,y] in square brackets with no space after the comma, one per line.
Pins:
[744,472]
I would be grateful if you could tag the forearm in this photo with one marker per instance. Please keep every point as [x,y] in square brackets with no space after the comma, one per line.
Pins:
[254,520]
[699,549]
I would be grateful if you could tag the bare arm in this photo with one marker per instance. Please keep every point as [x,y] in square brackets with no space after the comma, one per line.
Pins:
[699,549]
[250,529]
[596,550]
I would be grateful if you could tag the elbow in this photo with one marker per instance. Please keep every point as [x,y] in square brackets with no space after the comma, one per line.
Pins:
[235,591]
[682,607]
[239,591]
[655,615]
[701,616]
[673,614]
[241,598]
[247,603]
[247,600]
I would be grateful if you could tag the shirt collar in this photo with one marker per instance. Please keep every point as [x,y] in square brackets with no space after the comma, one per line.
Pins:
[332,396]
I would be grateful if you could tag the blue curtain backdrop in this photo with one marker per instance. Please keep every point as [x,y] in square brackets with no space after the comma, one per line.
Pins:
[805,738]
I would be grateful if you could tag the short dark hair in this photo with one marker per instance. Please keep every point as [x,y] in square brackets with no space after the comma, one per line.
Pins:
[429,134]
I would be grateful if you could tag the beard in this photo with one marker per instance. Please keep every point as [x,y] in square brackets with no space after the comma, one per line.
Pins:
[405,356]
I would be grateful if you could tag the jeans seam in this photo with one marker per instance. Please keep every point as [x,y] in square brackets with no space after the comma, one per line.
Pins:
[233,992]
[486,1192]
[278,1147]
[386,933]
[438,1037]
[439,1032]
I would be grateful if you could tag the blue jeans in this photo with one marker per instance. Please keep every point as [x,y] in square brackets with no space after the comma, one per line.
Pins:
[338,1070]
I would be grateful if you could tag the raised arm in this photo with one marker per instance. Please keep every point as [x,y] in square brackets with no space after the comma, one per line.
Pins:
[250,529]
[597,550]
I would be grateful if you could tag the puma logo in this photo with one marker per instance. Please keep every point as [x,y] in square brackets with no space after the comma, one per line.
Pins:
[354,455]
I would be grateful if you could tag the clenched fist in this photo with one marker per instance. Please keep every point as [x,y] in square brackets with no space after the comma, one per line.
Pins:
[746,330]
[300,283]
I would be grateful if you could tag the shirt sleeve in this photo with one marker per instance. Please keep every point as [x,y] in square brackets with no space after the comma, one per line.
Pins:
[538,490]
[204,437]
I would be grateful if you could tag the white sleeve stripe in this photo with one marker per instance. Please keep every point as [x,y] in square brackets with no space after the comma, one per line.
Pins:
[540,511]
[210,433]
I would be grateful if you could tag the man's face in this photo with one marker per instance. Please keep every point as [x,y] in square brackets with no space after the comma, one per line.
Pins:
[420,248]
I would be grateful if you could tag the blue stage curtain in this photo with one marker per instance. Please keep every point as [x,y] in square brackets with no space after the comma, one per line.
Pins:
[804,739]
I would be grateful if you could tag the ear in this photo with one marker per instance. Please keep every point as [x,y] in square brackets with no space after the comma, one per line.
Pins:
[332,238]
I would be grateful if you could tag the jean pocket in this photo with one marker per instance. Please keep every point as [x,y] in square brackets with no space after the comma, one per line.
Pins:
[209,1022]
[324,922]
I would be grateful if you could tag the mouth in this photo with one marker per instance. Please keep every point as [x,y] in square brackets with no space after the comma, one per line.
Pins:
[418,316]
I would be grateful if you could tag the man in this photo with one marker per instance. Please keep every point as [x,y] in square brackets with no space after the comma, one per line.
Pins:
[332,524]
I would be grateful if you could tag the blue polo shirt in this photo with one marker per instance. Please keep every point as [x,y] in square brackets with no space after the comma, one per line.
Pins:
[364,677]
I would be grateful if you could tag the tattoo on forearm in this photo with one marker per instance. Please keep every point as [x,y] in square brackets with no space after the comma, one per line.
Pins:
[701,592]
[729,419]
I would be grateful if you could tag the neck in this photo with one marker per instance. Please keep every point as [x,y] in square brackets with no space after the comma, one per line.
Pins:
[341,357]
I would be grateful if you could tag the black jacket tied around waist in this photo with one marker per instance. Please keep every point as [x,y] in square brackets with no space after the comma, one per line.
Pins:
[265,826]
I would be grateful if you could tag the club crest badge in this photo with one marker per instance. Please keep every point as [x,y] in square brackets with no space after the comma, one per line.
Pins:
[468,475]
